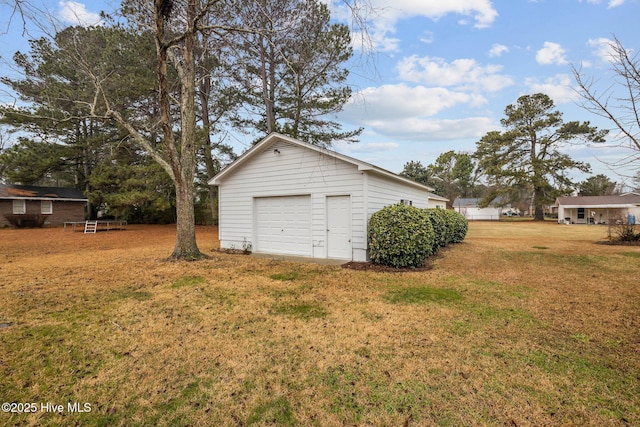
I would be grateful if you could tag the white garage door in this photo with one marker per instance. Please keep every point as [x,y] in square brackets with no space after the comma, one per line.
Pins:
[283,225]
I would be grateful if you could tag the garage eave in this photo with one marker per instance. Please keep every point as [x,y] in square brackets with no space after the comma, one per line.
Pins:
[276,137]
[598,206]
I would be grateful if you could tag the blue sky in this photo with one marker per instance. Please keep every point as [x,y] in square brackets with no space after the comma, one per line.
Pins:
[446,71]
[437,75]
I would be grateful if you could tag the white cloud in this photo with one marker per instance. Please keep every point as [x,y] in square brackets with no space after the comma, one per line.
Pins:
[384,16]
[498,50]
[482,11]
[374,40]
[416,128]
[462,73]
[76,13]
[615,3]
[610,5]
[373,147]
[559,88]
[393,102]
[428,37]
[551,53]
[404,112]
[602,48]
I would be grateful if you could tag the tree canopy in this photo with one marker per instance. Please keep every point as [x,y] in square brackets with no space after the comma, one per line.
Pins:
[289,70]
[528,155]
[64,141]
[452,175]
[156,85]
[597,185]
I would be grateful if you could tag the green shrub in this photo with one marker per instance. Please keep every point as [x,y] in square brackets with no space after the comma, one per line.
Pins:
[627,233]
[438,218]
[457,226]
[26,220]
[400,236]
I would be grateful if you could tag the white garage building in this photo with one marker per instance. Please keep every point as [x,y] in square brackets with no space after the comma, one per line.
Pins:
[470,209]
[287,197]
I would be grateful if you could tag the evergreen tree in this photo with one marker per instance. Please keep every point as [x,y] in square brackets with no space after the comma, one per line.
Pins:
[291,69]
[58,76]
[416,171]
[527,156]
[129,185]
[597,185]
[452,175]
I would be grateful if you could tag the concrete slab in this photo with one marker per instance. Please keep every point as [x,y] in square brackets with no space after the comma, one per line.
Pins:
[323,261]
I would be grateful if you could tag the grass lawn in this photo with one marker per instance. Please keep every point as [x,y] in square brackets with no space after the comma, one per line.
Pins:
[521,324]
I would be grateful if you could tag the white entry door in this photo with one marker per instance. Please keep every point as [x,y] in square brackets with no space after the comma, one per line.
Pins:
[283,225]
[339,227]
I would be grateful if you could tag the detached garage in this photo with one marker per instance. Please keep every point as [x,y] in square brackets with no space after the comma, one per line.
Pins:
[287,197]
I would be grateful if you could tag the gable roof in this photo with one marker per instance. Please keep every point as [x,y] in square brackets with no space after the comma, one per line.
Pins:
[632,199]
[433,196]
[274,137]
[32,192]
[462,202]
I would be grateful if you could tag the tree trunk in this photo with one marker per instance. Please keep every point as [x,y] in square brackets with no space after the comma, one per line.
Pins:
[186,246]
[210,164]
[537,205]
[181,158]
[267,72]
[539,214]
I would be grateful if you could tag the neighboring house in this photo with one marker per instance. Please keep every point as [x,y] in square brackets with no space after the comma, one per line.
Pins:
[437,202]
[284,196]
[469,209]
[59,205]
[598,209]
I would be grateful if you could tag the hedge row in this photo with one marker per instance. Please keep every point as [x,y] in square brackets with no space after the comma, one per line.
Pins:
[404,236]
[26,220]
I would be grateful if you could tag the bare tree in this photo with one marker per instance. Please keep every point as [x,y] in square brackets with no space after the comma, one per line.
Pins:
[176,26]
[618,102]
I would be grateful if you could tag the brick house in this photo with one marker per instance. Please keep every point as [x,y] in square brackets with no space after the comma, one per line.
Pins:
[59,205]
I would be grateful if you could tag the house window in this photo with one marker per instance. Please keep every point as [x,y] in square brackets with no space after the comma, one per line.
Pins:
[406,202]
[46,207]
[580,213]
[19,207]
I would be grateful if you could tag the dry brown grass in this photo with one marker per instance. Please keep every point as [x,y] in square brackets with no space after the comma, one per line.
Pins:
[522,324]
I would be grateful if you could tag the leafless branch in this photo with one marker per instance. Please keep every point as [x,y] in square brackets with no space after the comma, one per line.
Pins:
[619,102]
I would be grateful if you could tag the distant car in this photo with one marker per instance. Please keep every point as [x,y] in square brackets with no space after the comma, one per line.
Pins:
[509,213]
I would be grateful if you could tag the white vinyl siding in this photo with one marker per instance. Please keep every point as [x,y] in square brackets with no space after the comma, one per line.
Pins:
[285,171]
[384,192]
[474,213]
[289,171]
[19,207]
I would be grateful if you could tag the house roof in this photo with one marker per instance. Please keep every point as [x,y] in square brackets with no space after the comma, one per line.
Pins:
[629,199]
[462,202]
[433,196]
[274,137]
[32,192]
